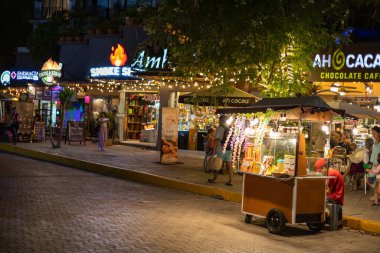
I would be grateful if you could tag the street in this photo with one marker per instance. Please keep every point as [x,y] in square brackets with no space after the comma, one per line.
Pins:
[49,208]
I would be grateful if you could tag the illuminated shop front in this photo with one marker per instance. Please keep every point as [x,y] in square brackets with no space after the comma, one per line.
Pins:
[350,76]
[137,104]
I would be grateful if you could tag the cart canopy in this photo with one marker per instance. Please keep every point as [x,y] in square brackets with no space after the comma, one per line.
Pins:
[281,104]
[219,96]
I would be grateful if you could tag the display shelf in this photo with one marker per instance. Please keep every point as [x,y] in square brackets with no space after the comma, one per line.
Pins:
[134,117]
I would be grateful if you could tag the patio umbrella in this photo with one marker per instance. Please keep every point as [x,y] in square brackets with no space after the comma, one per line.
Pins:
[218,96]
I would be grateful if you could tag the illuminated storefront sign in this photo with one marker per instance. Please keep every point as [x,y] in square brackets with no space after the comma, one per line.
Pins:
[9,76]
[151,62]
[111,72]
[119,57]
[354,63]
[50,71]
[5,77]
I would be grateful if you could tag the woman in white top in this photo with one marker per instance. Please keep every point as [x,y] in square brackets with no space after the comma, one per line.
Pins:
[103,131]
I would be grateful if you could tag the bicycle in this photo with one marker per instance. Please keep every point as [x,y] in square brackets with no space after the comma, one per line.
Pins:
[208,153]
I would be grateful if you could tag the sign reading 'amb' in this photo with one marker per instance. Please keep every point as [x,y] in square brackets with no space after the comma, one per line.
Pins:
[359,63]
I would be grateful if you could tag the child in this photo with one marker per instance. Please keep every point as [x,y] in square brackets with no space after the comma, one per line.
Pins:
[376,189]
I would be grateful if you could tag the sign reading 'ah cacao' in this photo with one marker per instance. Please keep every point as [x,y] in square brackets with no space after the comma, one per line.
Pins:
[354,63]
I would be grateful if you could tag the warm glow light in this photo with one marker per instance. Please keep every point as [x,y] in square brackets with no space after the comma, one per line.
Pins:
[253,122]
[118,56]
[229,121]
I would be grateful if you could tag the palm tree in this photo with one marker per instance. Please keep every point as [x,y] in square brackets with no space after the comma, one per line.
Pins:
[65,97]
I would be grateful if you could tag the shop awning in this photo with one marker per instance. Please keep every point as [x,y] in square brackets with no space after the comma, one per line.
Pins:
[219,96]
[355,110]
[281,104]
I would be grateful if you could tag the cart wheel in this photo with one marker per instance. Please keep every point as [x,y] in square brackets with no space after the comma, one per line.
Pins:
[315,226]
[275,221]
[248,218]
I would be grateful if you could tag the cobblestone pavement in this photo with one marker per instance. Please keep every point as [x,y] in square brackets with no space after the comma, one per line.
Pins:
[145,160]
[50,208]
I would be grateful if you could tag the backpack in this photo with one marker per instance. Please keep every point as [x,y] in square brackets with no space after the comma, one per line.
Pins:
[225,136]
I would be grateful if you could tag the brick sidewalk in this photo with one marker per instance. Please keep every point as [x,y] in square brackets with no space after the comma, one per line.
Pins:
[141,164]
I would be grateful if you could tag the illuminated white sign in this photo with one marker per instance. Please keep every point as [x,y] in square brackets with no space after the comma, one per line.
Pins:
[354,63]
[19,75]
[150,62]
[116,72]
[25,75]
[338,60]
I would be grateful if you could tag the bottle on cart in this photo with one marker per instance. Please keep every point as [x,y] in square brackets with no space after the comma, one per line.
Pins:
[327,150]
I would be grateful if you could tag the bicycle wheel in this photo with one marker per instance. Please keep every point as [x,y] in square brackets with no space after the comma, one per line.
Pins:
[207,170]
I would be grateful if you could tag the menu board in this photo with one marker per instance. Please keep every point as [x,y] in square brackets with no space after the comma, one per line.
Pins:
[75,131]
[169,136]
[39,131]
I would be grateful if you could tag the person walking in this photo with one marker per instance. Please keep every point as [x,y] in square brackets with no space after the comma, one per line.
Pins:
[103,131]
[220,140]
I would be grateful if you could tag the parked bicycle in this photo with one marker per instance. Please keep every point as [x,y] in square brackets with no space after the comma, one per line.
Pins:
[208,153]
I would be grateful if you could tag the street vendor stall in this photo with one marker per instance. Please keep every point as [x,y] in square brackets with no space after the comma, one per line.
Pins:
[279,181]
[197,112]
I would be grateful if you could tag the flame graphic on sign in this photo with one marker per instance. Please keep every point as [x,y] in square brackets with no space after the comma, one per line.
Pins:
[50,64]
[118,56]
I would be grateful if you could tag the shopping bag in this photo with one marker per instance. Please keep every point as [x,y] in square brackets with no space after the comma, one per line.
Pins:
[214,162]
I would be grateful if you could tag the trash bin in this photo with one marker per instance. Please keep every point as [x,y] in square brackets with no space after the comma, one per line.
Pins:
[334,218]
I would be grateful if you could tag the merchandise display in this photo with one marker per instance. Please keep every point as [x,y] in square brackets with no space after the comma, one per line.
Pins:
[141,116]
[196,117]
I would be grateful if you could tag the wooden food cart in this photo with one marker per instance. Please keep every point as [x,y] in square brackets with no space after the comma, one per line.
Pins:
[278,181]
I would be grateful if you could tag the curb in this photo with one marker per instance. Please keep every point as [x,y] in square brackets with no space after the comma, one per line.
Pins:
[348,221]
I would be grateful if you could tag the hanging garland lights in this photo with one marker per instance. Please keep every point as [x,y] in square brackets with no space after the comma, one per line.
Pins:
[244,127]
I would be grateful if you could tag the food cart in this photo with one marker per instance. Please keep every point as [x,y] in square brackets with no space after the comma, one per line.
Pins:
[279,181]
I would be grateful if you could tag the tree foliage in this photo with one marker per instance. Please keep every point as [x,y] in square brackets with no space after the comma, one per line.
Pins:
[265,43]
[65,97]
